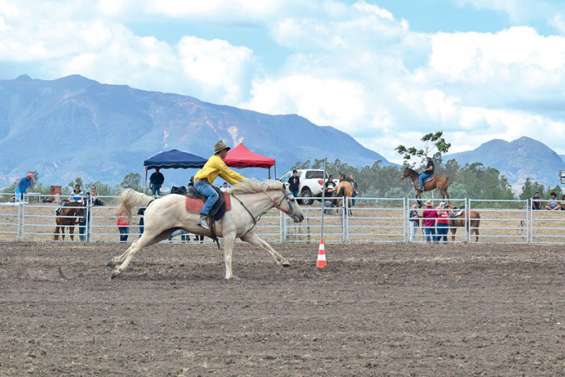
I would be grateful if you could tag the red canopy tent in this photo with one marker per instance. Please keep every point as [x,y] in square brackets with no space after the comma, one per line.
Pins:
[241,157]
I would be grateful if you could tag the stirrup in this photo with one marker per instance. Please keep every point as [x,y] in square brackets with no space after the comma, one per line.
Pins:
[204,224]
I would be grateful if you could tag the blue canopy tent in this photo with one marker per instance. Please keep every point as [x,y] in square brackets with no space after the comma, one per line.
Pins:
[173,159]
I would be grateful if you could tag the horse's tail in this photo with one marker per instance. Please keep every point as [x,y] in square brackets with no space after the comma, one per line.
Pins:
[129,199]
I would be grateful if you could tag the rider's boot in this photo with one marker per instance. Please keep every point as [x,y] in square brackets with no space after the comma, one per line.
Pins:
[204,222]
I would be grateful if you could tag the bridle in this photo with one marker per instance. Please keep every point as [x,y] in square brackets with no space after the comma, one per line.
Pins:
[276,205]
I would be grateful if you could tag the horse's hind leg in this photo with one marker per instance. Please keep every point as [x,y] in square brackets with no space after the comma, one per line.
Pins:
[72,233]
[254,240]
[145,240]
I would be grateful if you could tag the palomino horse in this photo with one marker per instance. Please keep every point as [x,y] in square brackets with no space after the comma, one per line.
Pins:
[439,182]
[457,219]
[68,216]
[250,200]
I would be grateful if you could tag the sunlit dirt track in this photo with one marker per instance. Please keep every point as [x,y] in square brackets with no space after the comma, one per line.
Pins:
[392,310]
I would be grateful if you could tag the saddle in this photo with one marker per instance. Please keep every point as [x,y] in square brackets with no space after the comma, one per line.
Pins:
[456,212]
[430,179]
[194,203]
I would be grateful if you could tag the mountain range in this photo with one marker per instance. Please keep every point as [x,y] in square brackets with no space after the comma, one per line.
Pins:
[517,160]
[74,126]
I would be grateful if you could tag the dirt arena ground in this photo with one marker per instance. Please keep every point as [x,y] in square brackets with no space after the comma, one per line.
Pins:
[394,310]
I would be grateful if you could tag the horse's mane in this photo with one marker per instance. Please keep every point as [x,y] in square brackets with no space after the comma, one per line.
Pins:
[251,186]
[410,169]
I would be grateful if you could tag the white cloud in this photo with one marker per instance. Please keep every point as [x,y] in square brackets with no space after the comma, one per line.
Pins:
[354,66]
[216,65]
[322,100]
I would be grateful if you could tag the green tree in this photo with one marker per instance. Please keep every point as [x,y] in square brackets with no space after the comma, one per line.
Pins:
[76,181]
[529,188]
[132,180]
[433,146]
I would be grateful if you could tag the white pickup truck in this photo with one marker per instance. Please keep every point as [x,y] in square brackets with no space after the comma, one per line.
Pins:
[311,183]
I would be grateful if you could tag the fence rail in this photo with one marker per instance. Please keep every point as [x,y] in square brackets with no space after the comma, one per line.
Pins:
[362,219]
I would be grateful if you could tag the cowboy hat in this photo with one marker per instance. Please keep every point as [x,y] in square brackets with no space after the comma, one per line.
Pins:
[429,203]
[220,146]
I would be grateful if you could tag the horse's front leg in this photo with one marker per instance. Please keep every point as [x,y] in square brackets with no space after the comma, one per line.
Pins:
[72,232]
[229,241]
[255,240]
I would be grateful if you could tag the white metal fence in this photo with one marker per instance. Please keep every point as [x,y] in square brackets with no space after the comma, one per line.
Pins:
[361,220]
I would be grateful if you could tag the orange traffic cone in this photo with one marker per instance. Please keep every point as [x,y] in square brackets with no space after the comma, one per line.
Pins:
[321,261]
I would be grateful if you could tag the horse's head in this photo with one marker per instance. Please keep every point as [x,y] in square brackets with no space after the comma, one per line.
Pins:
[407,172]
[289,205]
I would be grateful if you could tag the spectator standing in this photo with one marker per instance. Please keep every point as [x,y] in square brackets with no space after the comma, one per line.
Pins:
[122,222]
[553,203]
[414,218]
[23,185]
[563,202]
[429,222]
[76,195]
[84,220]
[294,183]
[536,201]
[442,227]
[141,224]
[355,189]
[156,181]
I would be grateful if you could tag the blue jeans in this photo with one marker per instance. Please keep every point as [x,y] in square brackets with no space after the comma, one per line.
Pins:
[123,233]
[19,196]
[423,178]
[205,189]
[429,234]
[441,234]
[156,190]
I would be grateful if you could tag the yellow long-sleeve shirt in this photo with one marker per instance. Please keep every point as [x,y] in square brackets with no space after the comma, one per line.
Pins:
[217,167]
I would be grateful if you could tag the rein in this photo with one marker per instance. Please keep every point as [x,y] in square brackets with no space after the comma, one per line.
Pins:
[250,214]
[256,219]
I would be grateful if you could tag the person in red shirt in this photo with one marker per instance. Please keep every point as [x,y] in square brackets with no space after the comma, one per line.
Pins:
[429,222]
[442,227]
[122,222]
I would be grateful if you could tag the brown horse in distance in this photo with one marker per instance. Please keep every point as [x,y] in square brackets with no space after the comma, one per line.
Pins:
[68,216]
[457,219]
[438,182]
[345,190]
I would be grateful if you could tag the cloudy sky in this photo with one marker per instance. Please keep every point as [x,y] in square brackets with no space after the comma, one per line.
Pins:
[384,71]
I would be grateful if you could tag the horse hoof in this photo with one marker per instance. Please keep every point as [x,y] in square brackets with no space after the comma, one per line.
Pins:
[285,263]
[110,264]
[114,275]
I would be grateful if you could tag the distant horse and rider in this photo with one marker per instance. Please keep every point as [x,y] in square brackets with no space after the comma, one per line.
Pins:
[427,181]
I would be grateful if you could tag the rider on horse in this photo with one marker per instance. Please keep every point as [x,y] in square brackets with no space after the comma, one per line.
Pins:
[427,173]
[205,177]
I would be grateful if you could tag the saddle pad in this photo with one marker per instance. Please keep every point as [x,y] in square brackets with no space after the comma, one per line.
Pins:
[194,205]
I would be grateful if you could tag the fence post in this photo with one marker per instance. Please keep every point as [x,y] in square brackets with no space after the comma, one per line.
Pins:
[530,221]
[467,218]
[282,237]
[88,209]
[405,220]
[22,217]
[19,221]
[345,220]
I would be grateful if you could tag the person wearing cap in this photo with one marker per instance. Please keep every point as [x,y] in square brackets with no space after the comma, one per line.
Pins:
[23,185]
[205,177]
[442,227]
[429,222]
